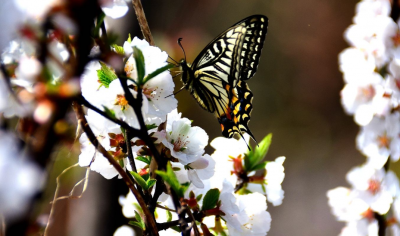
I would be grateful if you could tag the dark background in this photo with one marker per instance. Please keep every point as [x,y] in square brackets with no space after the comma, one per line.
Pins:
[296,97]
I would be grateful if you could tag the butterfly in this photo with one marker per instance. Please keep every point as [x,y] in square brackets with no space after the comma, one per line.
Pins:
[217,77]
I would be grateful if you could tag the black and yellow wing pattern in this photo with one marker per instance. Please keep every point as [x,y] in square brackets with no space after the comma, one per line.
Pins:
[217,76]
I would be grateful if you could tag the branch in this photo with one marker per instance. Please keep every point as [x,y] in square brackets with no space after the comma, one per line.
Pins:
[144,26]
[124,125]
[150,222]
[129,149]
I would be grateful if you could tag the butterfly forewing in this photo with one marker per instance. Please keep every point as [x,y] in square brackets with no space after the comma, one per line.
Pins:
[256,29]
[222,55]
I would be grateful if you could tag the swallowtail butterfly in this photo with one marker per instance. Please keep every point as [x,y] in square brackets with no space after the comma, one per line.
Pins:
[217,77]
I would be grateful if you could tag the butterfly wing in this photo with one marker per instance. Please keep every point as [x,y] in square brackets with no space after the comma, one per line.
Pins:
[256,30]
[236,52]
[219,70]
[237,118]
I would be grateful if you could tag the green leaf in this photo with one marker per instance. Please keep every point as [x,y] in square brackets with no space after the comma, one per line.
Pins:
[176,228]
[170,177]
[105,75]
[157,72]
[135,223]
[260,166]
[140,220]
[146,177]
[150,183]
[152,126]
[198,198]
[139,180]
[109,112]
[169,216]
[118,49]
[210,199]
[144,159]
[254,157]
[140,66]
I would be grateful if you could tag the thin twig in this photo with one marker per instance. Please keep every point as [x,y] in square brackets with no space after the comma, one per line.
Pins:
[129,149]
[85,182]
[164,207]
[56,198]
[144,26]
[194,226]
[149,220]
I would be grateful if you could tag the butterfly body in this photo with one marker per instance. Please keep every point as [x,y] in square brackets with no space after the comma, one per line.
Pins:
[216,78]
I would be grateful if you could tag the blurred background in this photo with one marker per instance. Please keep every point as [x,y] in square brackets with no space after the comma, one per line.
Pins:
[296,97]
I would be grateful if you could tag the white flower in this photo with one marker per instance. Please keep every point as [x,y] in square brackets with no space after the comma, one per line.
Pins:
[375,187]
[364,227]
[129,205]
[244,214]
[21,179]
[274,179]
[354,63]
[89,155]
[124,231]
[225,150]
[392,83]
[364,97]
[28,68]
[380,139]
[184,141]
[158,89]
[9,106]
[196,172]
[114,8]
[112,97]
[230,146]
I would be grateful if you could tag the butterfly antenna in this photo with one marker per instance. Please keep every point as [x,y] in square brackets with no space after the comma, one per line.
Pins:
[241,135]
[173,60]
[176,92]
[179,42]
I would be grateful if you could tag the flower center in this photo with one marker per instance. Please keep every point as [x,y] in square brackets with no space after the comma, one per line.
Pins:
[374,186]
[368,92]
[149,93]
[180,145]
[368,214]
[396,39]
[384,141]
[121,101]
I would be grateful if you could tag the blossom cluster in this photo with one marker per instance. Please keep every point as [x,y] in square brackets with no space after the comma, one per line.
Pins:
[241,213]
[132,124]
[371,71]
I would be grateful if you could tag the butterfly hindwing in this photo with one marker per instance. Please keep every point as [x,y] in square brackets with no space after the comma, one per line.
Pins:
[237,118]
